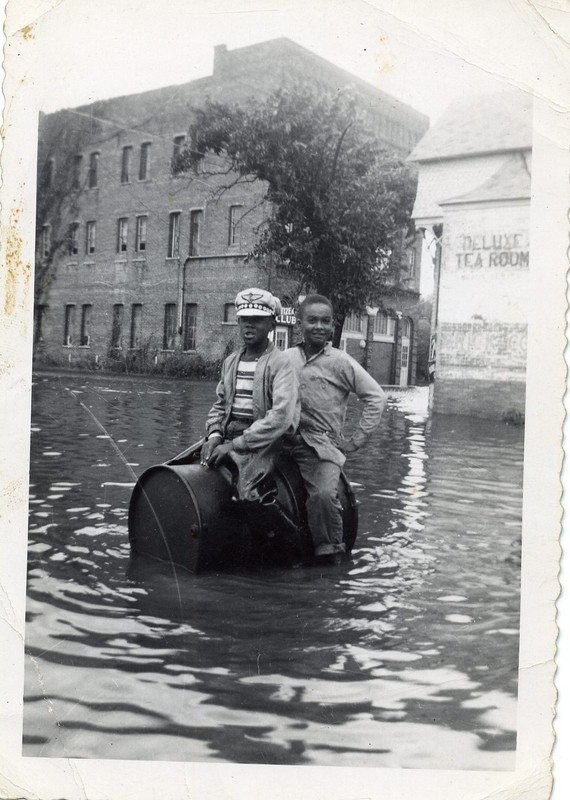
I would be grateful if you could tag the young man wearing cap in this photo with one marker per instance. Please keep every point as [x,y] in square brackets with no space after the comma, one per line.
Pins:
[257,398]
[327,377]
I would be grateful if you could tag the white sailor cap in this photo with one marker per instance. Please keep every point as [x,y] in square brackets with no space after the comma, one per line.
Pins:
[257,303]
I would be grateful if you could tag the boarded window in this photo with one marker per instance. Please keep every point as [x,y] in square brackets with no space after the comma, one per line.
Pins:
[85,337]
[117,328]
[136,325]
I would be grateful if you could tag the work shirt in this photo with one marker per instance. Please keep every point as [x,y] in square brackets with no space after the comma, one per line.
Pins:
[275,402]
[325,383]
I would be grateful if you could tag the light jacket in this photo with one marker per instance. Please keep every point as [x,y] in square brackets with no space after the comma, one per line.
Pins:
[276,404]
[326,381]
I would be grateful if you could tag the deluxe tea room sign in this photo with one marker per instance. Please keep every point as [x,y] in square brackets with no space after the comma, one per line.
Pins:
[491,250]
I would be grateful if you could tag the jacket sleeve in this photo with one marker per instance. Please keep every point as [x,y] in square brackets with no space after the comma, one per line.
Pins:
[373,397]
[216,415]
[282,417]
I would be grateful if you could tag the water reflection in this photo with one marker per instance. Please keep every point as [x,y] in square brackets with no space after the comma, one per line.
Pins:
[404,657]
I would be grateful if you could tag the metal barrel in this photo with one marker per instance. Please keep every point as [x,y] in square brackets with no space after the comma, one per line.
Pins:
[185,514]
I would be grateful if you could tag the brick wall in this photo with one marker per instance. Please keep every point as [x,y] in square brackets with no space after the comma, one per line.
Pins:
[107,277]
[480,398]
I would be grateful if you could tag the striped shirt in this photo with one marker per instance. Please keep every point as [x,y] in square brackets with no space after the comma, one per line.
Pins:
[242,406]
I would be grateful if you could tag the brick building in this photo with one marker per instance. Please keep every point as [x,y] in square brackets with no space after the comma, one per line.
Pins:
[474,197]
[141,264]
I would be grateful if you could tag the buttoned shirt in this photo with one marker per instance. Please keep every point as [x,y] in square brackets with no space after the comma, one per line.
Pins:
[326,381]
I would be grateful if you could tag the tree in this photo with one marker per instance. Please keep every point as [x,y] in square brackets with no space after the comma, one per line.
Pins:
[340,203]
[60,180]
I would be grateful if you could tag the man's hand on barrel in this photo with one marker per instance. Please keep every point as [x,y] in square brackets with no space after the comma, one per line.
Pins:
[212,442]
[220,452]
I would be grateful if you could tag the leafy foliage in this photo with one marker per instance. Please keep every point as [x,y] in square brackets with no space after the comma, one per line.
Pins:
[340,203]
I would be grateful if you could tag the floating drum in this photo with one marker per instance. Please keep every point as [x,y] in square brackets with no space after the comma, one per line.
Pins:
[186,514]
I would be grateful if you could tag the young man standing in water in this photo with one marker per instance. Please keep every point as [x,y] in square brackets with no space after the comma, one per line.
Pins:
[257,398]
[327,376]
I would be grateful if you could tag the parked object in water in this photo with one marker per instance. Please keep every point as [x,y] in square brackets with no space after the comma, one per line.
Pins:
[189,515]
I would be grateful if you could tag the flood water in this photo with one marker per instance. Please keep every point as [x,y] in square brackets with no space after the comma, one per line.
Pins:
[406,656]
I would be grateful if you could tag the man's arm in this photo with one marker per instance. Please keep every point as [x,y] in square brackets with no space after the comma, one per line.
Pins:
[374,398]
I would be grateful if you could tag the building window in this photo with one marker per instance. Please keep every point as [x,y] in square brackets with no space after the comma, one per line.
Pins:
[136,325]
[383,324]
[178,144]
[195,226]
[144,162]
[405,357]
[76,175]
[122,235]
[69,325]
[281,338]
[169,339]
[230,313]
[126,159]
[73,239]
[39,314]
[90,230]
[45,241]
[235,224]
[353,323]
[85,338]
[190,317]
[117,328]
[174,235]
[407,327]
[412,261]
[93,178]
[140,241]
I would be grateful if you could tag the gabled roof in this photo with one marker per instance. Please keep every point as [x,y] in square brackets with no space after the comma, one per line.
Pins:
[510,182]
[478,125]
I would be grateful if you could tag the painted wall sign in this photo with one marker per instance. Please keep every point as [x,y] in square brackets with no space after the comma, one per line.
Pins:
[286,317]
[490,250]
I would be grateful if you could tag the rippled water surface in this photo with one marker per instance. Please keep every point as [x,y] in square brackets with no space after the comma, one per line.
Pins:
[406,656]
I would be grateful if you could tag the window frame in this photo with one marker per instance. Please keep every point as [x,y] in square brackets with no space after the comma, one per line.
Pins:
[73,239]
[135,333]
[140,242]
[93,174]
[90,237]
[84,332]
[45,241]
[126,163]
[144,148]
[117,326]
[122,235]
[235,227]
[188,309]
[174,220]
[195,231]
[169,330]
[69,325]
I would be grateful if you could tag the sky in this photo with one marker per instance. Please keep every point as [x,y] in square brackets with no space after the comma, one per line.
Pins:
[85,50]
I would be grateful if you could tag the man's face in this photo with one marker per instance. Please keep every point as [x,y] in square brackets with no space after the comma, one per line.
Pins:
[255,330]
[317,324]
